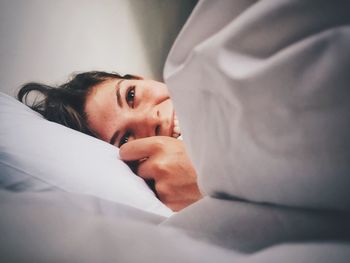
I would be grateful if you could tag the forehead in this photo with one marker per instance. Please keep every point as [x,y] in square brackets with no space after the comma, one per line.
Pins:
[100,108]
[102,90]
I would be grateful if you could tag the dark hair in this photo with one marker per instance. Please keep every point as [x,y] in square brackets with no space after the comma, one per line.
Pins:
[65,104]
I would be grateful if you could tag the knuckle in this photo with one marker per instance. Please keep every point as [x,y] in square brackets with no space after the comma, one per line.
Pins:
[158,143]
[162,190]
[160,167]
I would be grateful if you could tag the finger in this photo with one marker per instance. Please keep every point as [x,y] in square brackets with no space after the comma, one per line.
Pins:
[145,170]
[140,148]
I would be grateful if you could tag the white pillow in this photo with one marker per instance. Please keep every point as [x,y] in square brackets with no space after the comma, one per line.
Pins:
[267,85]
[36,155]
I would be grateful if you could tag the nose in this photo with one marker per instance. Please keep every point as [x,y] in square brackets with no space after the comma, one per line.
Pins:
[147,123]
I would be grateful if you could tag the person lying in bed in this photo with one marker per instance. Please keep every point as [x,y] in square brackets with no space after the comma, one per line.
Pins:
[132,113]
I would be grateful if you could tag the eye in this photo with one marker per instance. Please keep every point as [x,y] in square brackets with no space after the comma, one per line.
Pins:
[125,138]
[130,96]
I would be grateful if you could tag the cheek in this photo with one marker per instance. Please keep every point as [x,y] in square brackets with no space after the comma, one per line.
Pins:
[166,109]
[156,94]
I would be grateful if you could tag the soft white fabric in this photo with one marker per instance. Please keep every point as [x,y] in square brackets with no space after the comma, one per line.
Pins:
[262,92]
[37,155]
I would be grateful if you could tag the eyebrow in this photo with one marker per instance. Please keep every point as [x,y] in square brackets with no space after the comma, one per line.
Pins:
[119,101]
[114,137]
[119,98]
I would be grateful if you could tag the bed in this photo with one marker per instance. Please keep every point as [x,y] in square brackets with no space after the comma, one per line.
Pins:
[266,82]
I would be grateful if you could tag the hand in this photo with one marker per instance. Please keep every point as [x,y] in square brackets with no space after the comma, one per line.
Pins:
[164,160]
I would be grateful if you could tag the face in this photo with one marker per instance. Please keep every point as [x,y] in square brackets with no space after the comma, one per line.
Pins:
[121,110]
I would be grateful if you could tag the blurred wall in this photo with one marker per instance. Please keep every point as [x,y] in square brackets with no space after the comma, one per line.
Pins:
[47,40]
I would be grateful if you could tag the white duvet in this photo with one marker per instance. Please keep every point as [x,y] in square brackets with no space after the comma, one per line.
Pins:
[267,84]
